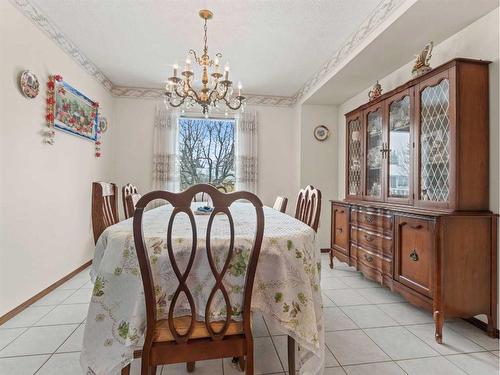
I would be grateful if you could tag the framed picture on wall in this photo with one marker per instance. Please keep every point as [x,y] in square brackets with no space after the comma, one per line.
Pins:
[73,112]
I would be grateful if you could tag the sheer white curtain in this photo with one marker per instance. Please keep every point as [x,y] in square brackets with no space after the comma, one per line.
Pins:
[165,166]
[246,151]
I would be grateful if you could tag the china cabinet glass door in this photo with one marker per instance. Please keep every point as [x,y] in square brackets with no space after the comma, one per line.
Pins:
[374,153]
[355,156]
[399,153]
[434,143]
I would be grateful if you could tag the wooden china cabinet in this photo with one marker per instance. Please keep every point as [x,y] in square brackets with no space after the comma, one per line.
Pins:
[416,214]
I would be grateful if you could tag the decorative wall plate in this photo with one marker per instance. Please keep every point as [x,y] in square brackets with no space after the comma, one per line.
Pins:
[321,133]
[30,86]
[103,124]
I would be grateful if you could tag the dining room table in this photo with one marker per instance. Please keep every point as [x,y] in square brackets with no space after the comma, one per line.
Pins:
[286,291]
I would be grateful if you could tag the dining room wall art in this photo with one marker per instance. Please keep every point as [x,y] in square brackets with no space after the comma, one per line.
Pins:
[29,84]
[71,111]
[321,133]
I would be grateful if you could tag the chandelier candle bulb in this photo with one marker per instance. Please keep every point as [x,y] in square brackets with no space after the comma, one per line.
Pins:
[176,67]
[240,86]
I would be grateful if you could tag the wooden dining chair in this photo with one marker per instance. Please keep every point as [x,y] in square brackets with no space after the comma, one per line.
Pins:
[308,206]
[179,339]
[307,210]
[129,205]
[280,204]
[104,207]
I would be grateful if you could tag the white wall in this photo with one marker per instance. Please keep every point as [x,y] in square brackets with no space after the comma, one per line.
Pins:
[318,161]
[45,191]
[277,152]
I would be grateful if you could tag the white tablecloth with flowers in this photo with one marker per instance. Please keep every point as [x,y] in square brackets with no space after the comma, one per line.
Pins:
[286,290]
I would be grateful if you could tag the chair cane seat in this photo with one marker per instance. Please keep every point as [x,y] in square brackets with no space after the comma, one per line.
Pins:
[163,334]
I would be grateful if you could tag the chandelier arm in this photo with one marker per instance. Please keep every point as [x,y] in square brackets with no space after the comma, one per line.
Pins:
[191,91]
[240,102]
[179,104]
[183,95]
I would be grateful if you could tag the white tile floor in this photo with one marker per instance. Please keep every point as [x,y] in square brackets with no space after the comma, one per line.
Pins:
[369,330]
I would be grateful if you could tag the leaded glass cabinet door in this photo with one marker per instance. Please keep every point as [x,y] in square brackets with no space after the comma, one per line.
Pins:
[375,149]
[399,153]
[435,132]
[354,177]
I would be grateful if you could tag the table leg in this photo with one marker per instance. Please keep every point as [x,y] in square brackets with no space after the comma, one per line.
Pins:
[291,356]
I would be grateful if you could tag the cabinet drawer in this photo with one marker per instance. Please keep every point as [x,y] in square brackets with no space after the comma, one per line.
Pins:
[340,227]
[376,241]
[415,253]
[372,220]
[372,260]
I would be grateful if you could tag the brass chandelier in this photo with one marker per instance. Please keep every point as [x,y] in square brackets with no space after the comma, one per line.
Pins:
[216,90]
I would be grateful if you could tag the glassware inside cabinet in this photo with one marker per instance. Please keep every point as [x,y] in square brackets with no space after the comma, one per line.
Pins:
[435,143]
[355,155]
[399,148]
[374,153]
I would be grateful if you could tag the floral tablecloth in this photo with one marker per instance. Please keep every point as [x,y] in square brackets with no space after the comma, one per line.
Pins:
[286,290]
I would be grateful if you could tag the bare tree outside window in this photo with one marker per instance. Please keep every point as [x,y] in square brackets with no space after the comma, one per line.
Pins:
[206,152]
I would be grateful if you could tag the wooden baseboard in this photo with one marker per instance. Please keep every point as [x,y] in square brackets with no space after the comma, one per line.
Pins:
[325,250]
[481,325]
[42,294]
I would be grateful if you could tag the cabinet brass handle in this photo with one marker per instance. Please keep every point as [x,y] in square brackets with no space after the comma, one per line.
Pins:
[369,238]
[414,255]
[418,226]
[340,229]
[369,258]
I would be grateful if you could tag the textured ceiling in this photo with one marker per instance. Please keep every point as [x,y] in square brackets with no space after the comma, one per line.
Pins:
[273,46]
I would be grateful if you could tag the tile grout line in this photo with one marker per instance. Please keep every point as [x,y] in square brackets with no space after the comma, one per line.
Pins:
[54,352]
[272,342]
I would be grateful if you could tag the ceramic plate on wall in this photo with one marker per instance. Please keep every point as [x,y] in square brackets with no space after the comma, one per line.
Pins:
[321,133]
[103,124]
[30,86]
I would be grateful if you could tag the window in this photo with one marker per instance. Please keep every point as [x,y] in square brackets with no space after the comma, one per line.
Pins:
[206,152]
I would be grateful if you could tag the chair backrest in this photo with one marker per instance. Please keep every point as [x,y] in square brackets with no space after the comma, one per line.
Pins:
[130,203]
[308,206]
[280,204]
[104,207]
[181,203]
[204,197]
[128,190]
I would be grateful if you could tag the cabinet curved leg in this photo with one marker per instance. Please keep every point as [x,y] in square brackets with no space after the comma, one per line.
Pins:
[438,321]
[331,260]
[492,326]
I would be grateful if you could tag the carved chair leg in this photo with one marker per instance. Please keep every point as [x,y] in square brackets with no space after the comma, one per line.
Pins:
[249,358]
[291,356]
[190,366]
[126,370]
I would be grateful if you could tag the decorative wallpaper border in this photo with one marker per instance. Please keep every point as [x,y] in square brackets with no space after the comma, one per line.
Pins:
[58,37]
[149,93]
[380,14]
